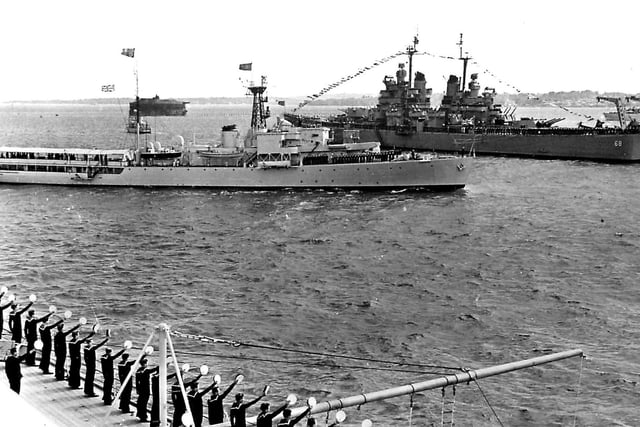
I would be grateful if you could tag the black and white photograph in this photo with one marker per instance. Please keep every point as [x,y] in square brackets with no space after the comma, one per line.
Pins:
[319,213]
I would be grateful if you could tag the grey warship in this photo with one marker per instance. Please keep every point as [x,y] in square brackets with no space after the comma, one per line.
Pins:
[468,119]
[280,157]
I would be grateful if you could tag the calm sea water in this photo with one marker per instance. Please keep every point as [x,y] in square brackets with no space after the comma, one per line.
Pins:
[531,257]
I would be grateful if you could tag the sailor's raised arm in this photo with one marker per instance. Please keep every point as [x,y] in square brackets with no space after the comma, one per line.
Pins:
[53,325]
[100,344]
[25,308]
[254,401]
[45,317]
[118,354]
[228,390]
[89,335]
[65,333]
[300,417]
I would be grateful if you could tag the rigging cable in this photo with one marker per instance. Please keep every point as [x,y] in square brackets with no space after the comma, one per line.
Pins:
[326,89]
[343,80]
[317,364]
[410,408]
[487,401]
[236,343]
[442,409]
[575,406]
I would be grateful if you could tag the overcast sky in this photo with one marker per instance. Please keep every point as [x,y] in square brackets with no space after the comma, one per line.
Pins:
[69,49]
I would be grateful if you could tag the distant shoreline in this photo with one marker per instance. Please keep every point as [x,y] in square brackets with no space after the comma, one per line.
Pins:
[585,98]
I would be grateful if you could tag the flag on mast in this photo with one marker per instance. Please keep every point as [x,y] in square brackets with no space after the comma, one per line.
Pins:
[130,52]
[246,67]
[109,88]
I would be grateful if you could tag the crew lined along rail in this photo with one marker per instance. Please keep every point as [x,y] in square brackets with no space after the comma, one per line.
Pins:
[34,335]
[189,408]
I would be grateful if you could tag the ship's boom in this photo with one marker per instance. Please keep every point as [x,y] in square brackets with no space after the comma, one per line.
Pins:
[463,377]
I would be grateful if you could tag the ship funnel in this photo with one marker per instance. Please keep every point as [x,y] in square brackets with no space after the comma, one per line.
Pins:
[229,136]
[420,82]
[453,85]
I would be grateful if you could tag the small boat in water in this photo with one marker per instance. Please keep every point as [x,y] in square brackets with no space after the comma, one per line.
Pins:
[279,157]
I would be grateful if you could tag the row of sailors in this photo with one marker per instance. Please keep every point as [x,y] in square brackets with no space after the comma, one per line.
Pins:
[146,378]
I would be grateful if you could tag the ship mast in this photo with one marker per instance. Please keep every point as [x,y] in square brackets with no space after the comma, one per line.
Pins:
[258,114]
[135,71]
[464,60]
[411,50]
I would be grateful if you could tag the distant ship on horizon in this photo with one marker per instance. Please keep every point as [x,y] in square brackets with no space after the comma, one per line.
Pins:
[158,107]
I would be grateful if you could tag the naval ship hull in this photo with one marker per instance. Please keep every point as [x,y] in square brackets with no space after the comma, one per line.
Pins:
[436,174]
[598,147]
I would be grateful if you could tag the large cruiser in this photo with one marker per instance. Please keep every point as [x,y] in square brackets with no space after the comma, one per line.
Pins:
[281,157]
[468,119]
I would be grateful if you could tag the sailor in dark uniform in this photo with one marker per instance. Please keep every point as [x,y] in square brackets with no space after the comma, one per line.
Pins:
[13,370]
[195,401]
[124,367]
[31,333]
[214,404]
[143,375]
[90,364]
[45,337]
[238,412]
[75,358]
[60,349]
[3,308]
[286,420]
[265,418]
[179,405]
[106,363]
[15,321]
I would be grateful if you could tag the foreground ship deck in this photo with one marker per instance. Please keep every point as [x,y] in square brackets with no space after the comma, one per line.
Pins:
[49,403]
[43,401]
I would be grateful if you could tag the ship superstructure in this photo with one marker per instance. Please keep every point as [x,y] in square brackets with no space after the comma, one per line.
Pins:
[469,120]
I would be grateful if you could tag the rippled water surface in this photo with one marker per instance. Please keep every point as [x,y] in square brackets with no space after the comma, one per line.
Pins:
[531,257]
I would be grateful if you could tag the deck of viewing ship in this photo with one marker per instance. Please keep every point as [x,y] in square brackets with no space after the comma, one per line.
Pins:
[43,401]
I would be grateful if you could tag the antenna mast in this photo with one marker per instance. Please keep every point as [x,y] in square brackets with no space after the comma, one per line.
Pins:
[258,114]
[410,51]
[465,60]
